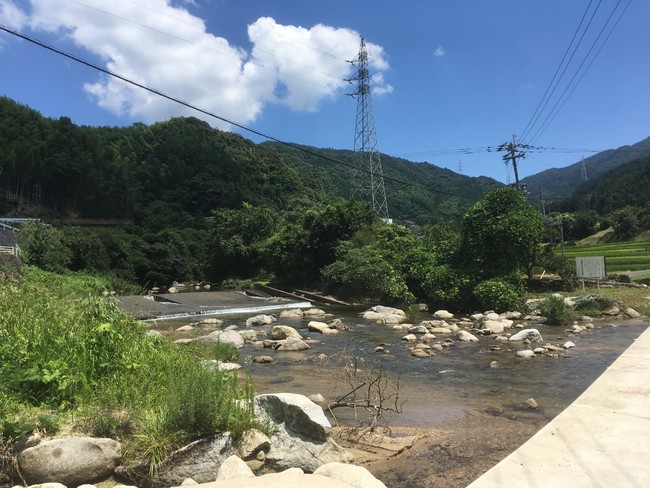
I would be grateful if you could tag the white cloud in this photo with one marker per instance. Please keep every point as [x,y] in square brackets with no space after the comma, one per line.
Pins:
[439,52]
[169,49]
[11,15]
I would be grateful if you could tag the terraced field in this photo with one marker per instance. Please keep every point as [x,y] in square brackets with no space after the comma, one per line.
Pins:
[620,256]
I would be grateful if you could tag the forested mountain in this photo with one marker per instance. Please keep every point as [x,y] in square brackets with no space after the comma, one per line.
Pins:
[414,191]
[561,182]
[626,185]
[183,167]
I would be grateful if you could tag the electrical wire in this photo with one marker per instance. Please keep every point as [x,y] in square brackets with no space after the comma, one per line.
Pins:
[544,100]
[213,115]
[561,100]
[259,65]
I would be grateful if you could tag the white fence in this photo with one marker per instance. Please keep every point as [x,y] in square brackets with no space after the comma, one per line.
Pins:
[15,250]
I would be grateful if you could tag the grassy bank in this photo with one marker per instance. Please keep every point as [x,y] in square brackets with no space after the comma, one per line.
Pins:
[72,360]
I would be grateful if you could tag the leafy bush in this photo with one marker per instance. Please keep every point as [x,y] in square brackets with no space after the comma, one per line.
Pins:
[363,274]
[498,294]
[445,286]
[556,311]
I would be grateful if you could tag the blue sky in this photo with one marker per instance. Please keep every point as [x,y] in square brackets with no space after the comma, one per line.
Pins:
[447,75]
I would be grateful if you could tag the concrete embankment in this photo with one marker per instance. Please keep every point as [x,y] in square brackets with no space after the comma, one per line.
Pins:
[600,440]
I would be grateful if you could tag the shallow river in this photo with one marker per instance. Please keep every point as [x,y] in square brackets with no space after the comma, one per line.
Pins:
[455,382]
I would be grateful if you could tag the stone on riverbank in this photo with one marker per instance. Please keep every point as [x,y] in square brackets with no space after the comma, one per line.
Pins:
[356,476]
[321,327]
[234,468]
[199,460]
[71,461]
[302,438]
[231,337]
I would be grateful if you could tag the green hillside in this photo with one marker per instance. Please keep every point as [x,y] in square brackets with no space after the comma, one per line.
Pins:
[414,191]
[173,170]
[562,182]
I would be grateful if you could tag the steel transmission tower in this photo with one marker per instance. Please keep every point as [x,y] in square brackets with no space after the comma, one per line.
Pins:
[584,171]
[367,178]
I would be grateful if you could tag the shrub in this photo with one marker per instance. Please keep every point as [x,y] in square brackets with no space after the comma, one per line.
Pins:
[498,294]
[556,311]
[445,286]
[363,274]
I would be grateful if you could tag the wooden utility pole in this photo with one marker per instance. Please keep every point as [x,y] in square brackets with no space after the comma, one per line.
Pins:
[513,152]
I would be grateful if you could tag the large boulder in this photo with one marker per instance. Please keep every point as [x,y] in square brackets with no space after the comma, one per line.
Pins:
[443,314]
[464,336]
[494,326]
[301,438]
[199,461]
[71,461]
[297,412]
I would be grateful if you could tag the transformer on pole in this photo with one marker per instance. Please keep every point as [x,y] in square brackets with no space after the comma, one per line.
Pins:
[367,177]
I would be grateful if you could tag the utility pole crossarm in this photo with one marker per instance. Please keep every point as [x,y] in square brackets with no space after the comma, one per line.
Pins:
[514,151]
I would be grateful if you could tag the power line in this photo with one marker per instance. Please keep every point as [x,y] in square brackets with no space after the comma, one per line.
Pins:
[213,115]
[587,68]
[552,113]
[544,100]
[174,36]
[555,82]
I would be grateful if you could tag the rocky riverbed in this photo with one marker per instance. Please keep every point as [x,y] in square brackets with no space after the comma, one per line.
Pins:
[476,387]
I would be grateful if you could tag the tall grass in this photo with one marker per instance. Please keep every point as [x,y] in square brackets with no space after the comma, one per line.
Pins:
[65,349]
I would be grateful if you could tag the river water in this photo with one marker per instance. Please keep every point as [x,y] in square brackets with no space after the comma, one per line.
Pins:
[455,382]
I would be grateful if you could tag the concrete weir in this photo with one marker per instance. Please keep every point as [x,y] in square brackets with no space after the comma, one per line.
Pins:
[600,440]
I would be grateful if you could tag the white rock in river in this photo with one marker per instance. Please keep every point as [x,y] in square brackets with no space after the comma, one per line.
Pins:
[526,354]
[532,335]
[464,336]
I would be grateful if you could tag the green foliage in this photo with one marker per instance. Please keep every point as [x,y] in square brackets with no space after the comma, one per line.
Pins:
[556,311]
[444,285]
[239,241]
[304,247]
[500,235]
[625,222]
[363,274]
[498,294]
[44,246]
[64,349]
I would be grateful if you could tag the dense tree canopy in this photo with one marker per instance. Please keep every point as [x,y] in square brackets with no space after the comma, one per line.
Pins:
[500,234]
